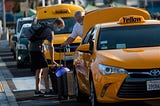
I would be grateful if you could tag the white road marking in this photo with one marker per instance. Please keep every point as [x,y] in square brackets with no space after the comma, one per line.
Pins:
[1,87]
[7,98]
[25,83]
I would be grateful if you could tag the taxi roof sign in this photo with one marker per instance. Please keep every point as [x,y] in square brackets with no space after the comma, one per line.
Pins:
[130,19]
[61,11]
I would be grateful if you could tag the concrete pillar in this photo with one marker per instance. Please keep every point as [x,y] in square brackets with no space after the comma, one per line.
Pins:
[4,35]
[43,2]
[59,2]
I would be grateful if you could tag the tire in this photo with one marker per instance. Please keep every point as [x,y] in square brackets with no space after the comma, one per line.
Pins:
[14,55]
[33,70]
[93,99]
[19,65]
[81,97]
[11,50]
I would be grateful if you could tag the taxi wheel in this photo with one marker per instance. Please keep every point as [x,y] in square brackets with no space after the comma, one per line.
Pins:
[33,70]
[81,97]
[93,100]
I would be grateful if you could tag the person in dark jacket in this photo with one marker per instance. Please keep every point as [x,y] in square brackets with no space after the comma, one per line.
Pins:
[38,60]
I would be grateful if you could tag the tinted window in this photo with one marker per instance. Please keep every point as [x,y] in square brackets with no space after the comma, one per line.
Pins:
[129,37]
[23,22]
[24,31]
[69,23]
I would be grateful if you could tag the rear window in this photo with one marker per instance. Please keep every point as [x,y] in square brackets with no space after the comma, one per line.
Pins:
[129,37]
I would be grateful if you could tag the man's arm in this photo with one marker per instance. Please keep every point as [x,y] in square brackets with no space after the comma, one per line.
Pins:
[68,41]
[51,50]
[72,37]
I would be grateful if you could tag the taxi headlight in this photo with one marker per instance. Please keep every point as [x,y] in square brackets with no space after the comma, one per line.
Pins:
[21,46]
[106,70]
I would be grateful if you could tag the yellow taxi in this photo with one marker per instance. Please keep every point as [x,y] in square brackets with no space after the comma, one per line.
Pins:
[119,61]
[66,12]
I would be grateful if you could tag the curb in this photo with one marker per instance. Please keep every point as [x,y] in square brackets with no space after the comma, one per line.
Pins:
[8,97]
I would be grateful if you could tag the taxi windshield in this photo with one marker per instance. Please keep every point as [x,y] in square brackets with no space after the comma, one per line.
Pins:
[69,23]
[129,37]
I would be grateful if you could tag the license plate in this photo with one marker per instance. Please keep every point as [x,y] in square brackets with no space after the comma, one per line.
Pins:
[68,57]
[153,85]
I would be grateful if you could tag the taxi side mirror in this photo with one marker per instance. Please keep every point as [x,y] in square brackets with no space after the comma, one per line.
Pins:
[84,48]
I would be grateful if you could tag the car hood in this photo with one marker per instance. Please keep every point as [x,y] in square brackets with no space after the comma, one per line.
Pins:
[137,58]
[60,38]
[23,41]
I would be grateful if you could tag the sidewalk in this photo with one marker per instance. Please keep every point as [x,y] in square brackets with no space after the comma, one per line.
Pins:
[4,45]
[9,97]
[6,96]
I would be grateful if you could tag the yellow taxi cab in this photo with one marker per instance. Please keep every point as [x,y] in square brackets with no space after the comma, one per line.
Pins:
[119,61]
[66,12]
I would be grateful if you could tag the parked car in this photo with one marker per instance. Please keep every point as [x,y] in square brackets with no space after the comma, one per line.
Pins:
[22,53]
[19,24]
[118,61]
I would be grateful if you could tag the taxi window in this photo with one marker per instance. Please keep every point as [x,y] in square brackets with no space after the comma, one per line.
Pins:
[86,39]
[90,35]
[129,37]
[69,23]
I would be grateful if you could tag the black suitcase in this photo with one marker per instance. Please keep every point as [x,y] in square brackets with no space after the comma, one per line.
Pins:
[62,87]
[53,79]
[59,84]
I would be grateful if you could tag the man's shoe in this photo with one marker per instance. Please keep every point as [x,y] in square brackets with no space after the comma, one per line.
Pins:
[38,93]
[50,93]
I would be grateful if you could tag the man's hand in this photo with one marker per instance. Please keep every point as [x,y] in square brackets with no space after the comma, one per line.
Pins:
[55,63]
[63,45]
[68,41]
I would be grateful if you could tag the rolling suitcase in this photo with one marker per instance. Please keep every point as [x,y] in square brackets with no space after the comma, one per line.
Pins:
[62,80]
[59,82]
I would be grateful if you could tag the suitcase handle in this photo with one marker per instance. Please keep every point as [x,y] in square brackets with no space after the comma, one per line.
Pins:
[61,56]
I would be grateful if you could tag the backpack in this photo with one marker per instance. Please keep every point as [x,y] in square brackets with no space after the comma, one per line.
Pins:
[35,32]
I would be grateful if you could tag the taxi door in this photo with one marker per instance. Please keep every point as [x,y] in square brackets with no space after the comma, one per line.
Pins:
[83,62]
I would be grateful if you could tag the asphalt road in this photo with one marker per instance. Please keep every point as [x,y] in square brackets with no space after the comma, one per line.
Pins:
[21,84]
